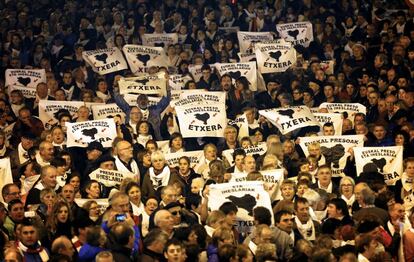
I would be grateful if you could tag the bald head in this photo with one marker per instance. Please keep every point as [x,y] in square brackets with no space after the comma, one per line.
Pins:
[62,245]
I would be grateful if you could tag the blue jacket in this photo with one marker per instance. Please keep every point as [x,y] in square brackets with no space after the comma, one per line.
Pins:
[88,253]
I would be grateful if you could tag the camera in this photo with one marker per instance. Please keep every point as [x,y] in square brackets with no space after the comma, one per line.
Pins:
[120,217]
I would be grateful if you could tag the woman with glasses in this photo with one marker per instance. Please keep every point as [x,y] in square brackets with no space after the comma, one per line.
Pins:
[346,190]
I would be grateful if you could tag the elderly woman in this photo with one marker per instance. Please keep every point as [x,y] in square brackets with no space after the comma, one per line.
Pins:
[159,175]
[346,189]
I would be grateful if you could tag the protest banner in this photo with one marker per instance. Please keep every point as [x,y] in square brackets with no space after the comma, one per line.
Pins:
[247,57]
[242,124]
[199,98]
[103,203]
[247,40]
[140,58]
[260,149]
[146,84]
[236,70]
[275,57]
[107,110]
[298,33]
[28,78]
[131,99]
[387,160]
[349,108]
[27,92]
[178,82]
[5,172]
[245,195]
[334,118]
[111,178]
[82,133]
[8,132]
[334,149]
[196,158]
[160,40]
[164,145]
[48,110]
[105,61]
[290,118]
[202,120]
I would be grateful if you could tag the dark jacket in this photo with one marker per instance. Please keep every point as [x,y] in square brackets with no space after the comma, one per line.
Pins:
[122,254]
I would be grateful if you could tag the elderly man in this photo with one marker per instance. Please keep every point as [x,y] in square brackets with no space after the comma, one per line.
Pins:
[122,236]
[124,159]
[63,246]
[25,123]
[9,192]
[164,220]
[47,180]
[20,154]
[45,154]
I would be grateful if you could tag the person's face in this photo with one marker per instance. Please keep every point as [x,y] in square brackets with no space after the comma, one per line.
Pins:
[134,194]
[333,212]
[347,187]
[328,131]
[136,115]
[67,79]
[58,136]
[49,180]
[398,213]
[379,132]
[314,151]
[151,205]
[176,213]
[239,161]
[16,99]
[328,91]
[102,86]
[49,199]
[409,169]
[68,192]
[177,143]
[25,116]
[94,210]
[358,195]
[93,191]
[288,192]
[143,129]
[75,182]
[225,83]
[302,212]
[108,165]
[184,166]
[60,95]
[286,223]
[373,99]
[399,140]
[63,214]
[158,163]
[17,212]
[121,205]
[324,176]
[11,257]
[230,135]
[166,222]
[169,196]
[249,164]
[14,193]
[83,113]
[231,218]
[125,150]
[28,235]
[174,253]
[210,153]
[301,189]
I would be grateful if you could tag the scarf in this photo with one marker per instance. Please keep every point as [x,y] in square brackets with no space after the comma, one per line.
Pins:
[161,179]
[68,91]
[306,230]
[103,96]
[40,161]
[145,114]
[407,182]
[44,256]
[133,126]
[349,201]
[121,167]
[23,155]
[3,150]
[137,210]
[328,189]
[28,183]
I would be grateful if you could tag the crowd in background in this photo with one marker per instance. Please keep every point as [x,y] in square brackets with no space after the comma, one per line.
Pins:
[163,214]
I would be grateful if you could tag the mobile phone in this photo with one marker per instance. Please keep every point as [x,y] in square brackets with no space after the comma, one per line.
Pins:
[29,214]
[120,217]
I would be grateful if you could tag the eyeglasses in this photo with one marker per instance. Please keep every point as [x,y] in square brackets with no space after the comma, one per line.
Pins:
[347,185]
[175,213]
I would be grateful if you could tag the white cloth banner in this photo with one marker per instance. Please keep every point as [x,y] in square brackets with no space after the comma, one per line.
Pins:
[275,57]
[110,178]
[5,173]
[48,110]
[199,98]
[105,61]
[178,82]
[103,203]
[25,77]
[350,108]
[140,58]
[334,149]
[245,195]
[291,118]
[202,120]
[299,33]
[195,71]
[236,70]
[82,133]
[247,40]
[387,160]
[260,149]
[27,92]
[196,158]
[160,40]
[131,99]
[272,181]
[334,118]
[247,57]
[105,110]
[242,124]
[147,84]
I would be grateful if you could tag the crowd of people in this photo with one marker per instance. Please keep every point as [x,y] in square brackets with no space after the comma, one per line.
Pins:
[162,214]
